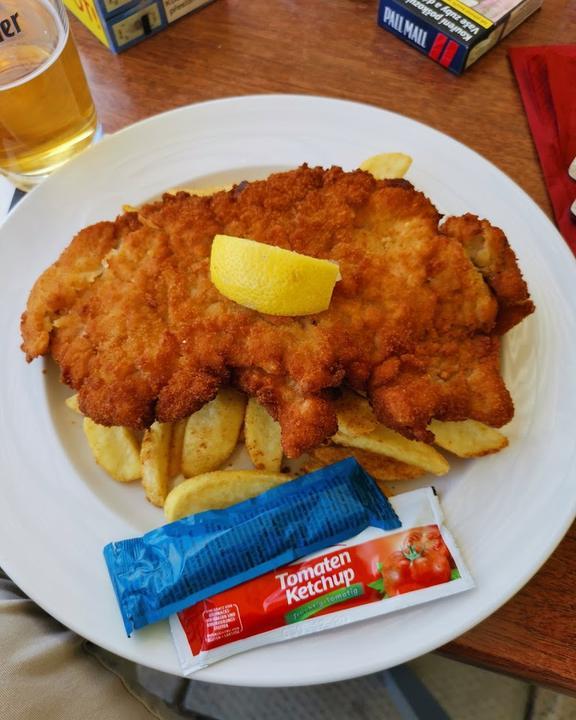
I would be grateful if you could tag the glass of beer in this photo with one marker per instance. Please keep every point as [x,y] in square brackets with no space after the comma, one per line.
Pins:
[47,114]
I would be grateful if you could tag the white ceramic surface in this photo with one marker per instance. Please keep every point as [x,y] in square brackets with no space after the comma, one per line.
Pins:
[57,509]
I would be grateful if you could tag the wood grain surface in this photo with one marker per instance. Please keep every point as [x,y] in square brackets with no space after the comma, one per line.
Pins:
[335,48]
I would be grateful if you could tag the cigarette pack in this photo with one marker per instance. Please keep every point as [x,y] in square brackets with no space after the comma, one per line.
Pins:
[454,33]
[119,24]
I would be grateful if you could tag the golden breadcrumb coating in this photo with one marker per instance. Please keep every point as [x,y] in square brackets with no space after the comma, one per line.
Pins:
[131,317]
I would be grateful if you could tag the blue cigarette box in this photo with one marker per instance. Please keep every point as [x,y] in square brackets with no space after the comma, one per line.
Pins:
[454,33]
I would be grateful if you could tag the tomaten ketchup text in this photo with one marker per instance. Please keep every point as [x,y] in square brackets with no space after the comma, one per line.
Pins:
[317,579]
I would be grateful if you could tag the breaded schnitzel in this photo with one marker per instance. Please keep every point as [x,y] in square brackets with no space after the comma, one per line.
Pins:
[131,317]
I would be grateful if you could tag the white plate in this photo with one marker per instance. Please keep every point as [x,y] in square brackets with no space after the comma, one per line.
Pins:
[58,510]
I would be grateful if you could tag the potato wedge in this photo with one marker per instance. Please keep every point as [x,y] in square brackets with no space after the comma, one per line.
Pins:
[72,403]
[115,449]
[176,446]
[387,165]
[202,192]
[468,438]
[355,416]
[378,466]
[392,444]
[155,457]
[262,437]
[211,433]
[217,490]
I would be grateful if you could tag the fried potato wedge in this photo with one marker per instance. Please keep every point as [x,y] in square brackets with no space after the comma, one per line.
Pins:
[380,467]
[155,457]
[262,437]
[387,165]
[72,403]
[211,434]
[468,438]
[390,443]
[202,192]
[217,490]
[176,447]
[355,416]
[115,449]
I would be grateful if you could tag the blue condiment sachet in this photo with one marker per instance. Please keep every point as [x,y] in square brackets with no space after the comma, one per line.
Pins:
[179,564]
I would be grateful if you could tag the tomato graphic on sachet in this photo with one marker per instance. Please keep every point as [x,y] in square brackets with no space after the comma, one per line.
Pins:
[423,560]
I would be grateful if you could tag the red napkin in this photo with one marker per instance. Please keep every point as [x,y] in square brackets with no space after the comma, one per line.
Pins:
[547,80]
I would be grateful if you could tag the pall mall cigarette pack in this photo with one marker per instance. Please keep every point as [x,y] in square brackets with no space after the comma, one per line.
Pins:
[119,24]
[454,33]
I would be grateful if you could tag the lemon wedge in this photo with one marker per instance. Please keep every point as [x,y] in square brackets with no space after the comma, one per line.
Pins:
[387,165]
[270,279]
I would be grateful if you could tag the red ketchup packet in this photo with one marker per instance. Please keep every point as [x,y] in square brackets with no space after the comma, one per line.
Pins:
[373,573]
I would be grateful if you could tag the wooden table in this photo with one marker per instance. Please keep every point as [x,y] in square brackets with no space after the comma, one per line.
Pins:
[335,48]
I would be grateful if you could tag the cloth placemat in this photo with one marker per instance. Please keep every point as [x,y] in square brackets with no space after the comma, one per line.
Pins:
[546,77]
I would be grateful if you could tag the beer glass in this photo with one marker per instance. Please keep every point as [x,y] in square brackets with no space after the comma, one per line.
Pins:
[46,111]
